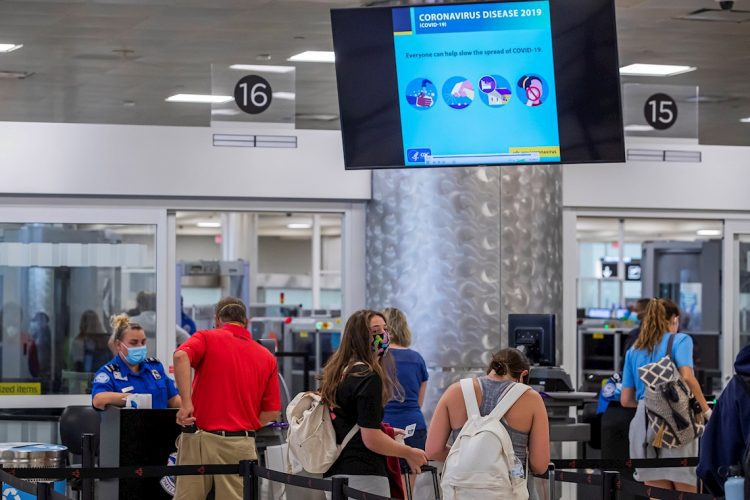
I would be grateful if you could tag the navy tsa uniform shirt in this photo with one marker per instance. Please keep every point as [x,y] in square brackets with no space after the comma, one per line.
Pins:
[116,376]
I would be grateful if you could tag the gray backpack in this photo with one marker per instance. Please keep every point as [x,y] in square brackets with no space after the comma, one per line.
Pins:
[674,418]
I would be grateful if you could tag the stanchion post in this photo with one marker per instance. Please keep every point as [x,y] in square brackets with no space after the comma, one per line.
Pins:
[43,490]
[338,488]
[250,482]
[551,481]
[609,485]
[87,461]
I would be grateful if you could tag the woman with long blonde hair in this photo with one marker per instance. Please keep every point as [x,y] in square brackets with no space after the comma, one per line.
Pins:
[411,372]
[356,384]
[661,321]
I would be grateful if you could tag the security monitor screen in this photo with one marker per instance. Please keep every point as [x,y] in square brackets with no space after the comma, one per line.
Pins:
[478,84]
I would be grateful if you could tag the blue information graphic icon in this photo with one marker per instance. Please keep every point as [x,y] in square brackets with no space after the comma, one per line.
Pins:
[418,155]
[532,90]
[495,91]
[421,93]
[458,92]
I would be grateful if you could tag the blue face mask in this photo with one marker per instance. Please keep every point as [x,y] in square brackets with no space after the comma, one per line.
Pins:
[136,355]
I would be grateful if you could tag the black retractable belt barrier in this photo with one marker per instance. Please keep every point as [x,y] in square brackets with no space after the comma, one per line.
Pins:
[17,483]
[43,490]
[631,463]
[88,454]
[610,480]
[361,495]
[551,480]
[339,484]
[246,471]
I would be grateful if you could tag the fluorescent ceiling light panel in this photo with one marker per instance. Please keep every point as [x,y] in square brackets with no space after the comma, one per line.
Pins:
[200,98]
[9,47]
[262,68]
[708,232]
[209,224]
[745,120]
[299,225]
[634,127]
[314,56]
[654,70]
[287,96]
[225,112]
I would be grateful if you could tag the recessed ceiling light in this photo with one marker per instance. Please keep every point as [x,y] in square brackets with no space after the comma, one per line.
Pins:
[655,70]
[287,96]
[314,56]
[745,120]
[15,75]
[9,47]
[322,117]
[634,127]
[264,68]
[208,224]
[225,112]
[708,232]
[299,225]
[200,98]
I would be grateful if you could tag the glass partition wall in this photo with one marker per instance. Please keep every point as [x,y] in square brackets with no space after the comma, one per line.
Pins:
[63,274]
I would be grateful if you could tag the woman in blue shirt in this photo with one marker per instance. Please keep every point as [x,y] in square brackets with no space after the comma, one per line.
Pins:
[411,372]
[662,319]
[131,372]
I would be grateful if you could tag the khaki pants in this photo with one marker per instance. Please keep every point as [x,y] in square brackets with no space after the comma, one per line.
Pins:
[206,448]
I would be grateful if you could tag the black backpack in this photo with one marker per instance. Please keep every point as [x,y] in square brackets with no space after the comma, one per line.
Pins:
[744,381]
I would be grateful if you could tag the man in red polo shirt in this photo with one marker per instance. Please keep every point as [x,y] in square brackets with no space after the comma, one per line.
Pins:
[234,393]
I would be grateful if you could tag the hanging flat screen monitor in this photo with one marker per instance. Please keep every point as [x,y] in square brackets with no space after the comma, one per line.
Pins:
[479,84]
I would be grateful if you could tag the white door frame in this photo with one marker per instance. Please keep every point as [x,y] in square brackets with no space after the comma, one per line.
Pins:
[735,223]
[160,212]
[42,213]
[730,320]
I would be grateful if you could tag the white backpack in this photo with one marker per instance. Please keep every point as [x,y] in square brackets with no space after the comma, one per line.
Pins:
[311,437]
[481,464]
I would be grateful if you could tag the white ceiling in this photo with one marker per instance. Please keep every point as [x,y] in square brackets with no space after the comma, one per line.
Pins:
[115,61]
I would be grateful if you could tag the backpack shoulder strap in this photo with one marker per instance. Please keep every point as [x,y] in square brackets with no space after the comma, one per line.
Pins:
[670,343]
[354,430]
[470,397]
[508,399]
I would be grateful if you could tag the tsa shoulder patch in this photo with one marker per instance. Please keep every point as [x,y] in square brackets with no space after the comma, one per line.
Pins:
[101,378]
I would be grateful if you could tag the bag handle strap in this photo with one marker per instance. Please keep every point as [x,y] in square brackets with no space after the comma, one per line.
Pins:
[470,397]
[670,343]
[510,397]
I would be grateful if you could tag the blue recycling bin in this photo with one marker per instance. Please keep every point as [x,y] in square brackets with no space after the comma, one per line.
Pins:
[24,455]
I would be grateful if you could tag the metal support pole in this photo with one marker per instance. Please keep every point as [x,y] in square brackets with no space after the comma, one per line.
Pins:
[249,478]
[87,461]
[609,485]
[43,490]
[551,481]
[315,268]
[338,488]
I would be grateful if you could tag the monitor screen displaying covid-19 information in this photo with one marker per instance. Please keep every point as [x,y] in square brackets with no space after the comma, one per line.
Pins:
[478,84]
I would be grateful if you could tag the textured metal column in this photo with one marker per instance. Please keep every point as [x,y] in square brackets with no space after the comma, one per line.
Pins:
[433,251]
[457,249]
[531,244]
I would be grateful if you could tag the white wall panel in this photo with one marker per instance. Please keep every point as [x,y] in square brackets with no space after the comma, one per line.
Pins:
[718,182]
[82,159]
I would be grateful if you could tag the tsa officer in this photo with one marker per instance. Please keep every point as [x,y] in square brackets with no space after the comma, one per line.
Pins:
[131,372]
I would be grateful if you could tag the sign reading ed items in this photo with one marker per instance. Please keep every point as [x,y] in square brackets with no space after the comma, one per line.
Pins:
[253,94]
[660,111]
